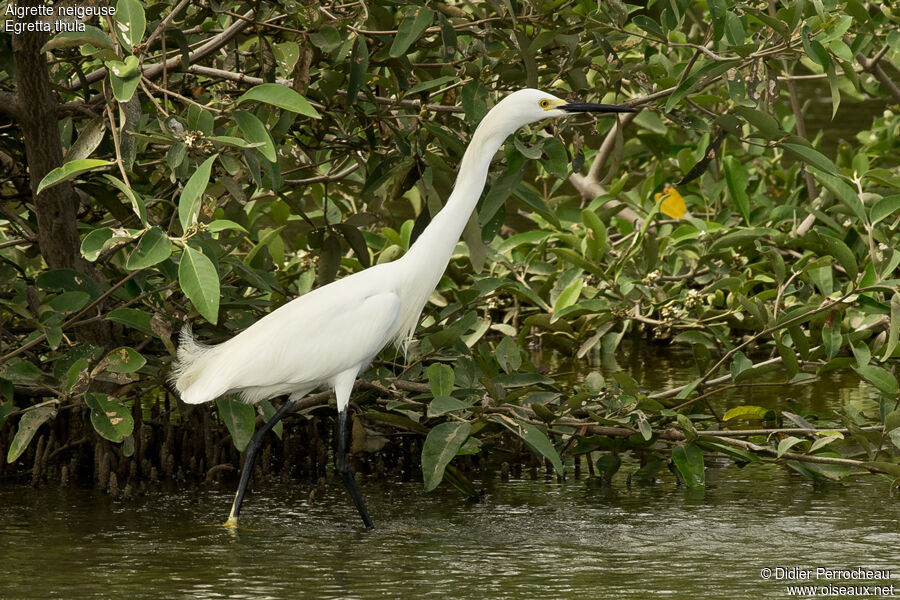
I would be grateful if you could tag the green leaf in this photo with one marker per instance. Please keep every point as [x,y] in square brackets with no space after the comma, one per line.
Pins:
[884,208]
[192,195]
[736,178]
[88,139]
[31,419]
[67,279]
[746,412]
[125,360]
[508,354]
[765,123]
[441,445]
[153,248]
[91,36]
[893,328]
[738,454]
[268,411]
[846,194]
[717,12]
[137,203]
[327,38]
[411,28]
[430,84]
[70,301]
[70,170]
[131,22]
[810,156]
[444,404]
[356,241]
[227,140]
[569,295]
[710,70]
[255,132]
[881,378]
[844,255]
[788,357]
[891,421]
[281,96]
[239,418]
[124,77]
[110,418]
[440,379]
[94,242]
[824,441]
[786,444]
[199,281]
[131,317]
[832,339]
[223,224]
[739,365]
[359,69]
[734,29]
[885,467]
[534,437]
[688,459]
[649,25]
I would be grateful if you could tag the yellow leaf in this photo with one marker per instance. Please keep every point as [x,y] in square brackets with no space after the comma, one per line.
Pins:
[672,203]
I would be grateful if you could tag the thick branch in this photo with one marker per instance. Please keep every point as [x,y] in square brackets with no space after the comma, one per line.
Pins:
[57,233]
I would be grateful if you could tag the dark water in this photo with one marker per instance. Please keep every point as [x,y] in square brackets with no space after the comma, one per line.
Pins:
[528,539]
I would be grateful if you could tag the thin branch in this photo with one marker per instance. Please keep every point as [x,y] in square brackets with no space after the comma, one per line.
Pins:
[213,45]
[74,318]
[435,29]
[323,178]
[810,458]
[116,145]
[608,145]
[164,24]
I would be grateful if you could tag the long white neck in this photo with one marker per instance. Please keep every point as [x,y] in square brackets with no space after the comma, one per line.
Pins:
[432,250]
[424,264]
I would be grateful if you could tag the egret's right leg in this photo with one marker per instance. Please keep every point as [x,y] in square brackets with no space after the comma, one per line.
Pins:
[250,457]
[342,466]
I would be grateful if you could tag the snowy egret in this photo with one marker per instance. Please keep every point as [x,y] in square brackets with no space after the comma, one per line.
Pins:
[327,336]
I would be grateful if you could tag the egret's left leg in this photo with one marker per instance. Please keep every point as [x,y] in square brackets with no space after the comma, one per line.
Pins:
[250,457]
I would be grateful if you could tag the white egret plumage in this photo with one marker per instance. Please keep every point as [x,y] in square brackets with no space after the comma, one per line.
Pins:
[327,336]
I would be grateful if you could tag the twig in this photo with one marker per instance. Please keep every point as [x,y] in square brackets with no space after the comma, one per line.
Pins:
[211,46]
[71,319]
[164,24]
[810,458]
[116,145]
[323,178]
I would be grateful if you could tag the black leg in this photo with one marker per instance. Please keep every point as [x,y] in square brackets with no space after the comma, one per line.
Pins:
[342,466]
[250,457]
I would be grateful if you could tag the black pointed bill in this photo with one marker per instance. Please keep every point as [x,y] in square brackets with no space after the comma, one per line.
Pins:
[589,107]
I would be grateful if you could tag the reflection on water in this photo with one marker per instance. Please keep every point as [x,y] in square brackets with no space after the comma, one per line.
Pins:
[529,539]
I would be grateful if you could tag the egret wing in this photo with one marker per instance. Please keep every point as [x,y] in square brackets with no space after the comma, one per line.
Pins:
[310,340]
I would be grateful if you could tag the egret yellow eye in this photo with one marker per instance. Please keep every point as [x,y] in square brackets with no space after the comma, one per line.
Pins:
[545,104]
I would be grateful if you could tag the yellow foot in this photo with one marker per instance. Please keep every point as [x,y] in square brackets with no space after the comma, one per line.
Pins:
[231,522]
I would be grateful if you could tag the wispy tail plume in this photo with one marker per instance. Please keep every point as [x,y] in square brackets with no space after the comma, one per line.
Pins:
[189,365]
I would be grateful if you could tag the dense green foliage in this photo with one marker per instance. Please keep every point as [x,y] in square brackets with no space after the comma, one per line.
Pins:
[282,145]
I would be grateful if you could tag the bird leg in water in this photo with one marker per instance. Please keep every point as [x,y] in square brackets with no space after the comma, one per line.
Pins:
[342,466]
[250,457]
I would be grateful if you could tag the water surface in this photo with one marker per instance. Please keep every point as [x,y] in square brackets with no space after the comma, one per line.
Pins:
[528,539]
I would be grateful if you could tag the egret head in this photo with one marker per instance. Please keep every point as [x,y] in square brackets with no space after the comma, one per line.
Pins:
[529,105]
